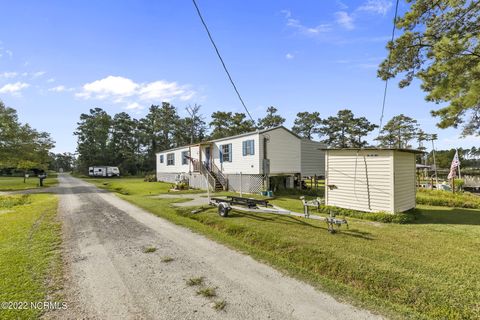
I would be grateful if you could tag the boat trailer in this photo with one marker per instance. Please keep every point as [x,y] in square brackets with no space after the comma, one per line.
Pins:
[225,204]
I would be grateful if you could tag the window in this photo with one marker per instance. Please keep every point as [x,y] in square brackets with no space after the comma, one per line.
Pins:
[184,157]
[248,147]
[170,159]
[161,158]
[226,153]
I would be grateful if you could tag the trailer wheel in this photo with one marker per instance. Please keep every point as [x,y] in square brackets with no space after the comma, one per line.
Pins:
[223,209]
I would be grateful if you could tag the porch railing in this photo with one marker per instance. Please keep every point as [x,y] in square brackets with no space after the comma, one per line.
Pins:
[207,174]
[220,176]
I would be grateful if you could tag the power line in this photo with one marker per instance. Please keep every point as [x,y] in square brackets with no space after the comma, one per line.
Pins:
[221,60]
[388,70]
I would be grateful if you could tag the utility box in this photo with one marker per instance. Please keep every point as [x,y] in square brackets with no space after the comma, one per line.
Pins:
[370,179]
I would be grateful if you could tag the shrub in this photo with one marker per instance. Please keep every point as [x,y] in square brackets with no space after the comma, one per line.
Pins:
[150,178]
[448,199]
[372,216]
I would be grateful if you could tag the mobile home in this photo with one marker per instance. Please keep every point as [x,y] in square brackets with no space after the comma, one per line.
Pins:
[370,179]
[246,162]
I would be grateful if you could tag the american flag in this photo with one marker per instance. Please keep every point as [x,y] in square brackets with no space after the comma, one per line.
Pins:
[453,167]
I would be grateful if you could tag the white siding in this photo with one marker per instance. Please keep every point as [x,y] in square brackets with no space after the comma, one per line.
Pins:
[405,189]
[360,181]
[249,164]
[284,151]
[313,158]
[178,167]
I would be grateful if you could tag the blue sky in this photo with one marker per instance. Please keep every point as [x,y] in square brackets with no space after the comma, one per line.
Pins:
[60,58]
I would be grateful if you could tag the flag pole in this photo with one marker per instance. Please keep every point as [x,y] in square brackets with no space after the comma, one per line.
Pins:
[434,162]
[459,173]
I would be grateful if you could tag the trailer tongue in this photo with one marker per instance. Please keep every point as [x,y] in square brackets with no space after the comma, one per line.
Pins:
[226,204]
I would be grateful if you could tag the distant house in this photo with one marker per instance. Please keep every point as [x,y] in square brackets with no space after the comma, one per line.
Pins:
[245,162]
[371,179]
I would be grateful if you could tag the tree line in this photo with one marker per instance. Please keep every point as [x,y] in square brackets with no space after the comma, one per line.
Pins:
[22,148]
[132,143]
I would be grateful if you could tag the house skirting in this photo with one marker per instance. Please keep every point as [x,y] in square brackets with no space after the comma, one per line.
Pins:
[248,183]
[167,177]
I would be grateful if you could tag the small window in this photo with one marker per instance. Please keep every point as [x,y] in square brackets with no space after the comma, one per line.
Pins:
[184,157]
[226,153]
[161,158]
[170,159]
[248,147]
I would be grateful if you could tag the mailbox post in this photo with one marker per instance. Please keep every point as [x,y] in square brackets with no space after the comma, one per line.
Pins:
[41,177]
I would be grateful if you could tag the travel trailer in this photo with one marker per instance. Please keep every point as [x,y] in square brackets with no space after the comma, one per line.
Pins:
[103,171]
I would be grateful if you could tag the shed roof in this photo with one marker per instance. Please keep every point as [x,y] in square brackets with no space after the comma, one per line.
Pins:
[378,149]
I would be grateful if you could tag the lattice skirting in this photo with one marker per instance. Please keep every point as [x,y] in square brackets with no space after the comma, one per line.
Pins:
[248,183]
[167,177]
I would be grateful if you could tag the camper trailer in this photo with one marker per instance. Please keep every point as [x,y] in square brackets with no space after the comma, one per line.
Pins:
[103,171]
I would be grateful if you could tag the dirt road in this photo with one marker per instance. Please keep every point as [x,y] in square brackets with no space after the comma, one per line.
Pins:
[110,277]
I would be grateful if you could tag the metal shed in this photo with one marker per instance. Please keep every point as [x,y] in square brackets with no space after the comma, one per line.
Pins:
[370,179]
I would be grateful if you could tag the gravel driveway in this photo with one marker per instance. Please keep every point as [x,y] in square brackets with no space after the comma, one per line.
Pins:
[110,277]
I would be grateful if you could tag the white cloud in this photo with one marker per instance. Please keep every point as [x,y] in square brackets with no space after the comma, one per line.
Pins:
[38,74]
[51,80]
[289,56]
[14,88]
[111,86]
[344,19]
[342,5]
[161,90]
[286,13]
[134,106]
[376,6]
[60,88]
[120,89]
[303,29]
[8,75]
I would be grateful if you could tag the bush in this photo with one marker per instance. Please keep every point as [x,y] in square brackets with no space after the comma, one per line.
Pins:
[385,217]
[150,178]
[448,199]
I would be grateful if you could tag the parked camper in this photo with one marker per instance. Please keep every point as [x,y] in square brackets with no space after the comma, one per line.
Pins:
[103,171]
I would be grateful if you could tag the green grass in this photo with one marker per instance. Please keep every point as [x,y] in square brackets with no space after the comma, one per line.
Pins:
[448,199]
[208,292]
[219,305]
[197,281]
[423,270]
[30,260]
[16,183]
[167,259]
[149,249]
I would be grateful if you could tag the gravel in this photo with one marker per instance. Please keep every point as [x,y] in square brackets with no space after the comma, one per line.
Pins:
[108,275]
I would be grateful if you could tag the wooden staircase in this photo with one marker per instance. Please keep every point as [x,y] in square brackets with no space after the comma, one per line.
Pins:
[216,178]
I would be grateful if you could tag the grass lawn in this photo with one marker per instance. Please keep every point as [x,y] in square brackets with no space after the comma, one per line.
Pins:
[16,183]
[424,270]
[30,261]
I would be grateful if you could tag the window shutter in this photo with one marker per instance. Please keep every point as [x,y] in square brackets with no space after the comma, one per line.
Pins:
[244,148]
[252,146]
[220,154]
[230,152]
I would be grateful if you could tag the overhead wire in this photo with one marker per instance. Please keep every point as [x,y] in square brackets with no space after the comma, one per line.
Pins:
[388,70]
[221,59]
